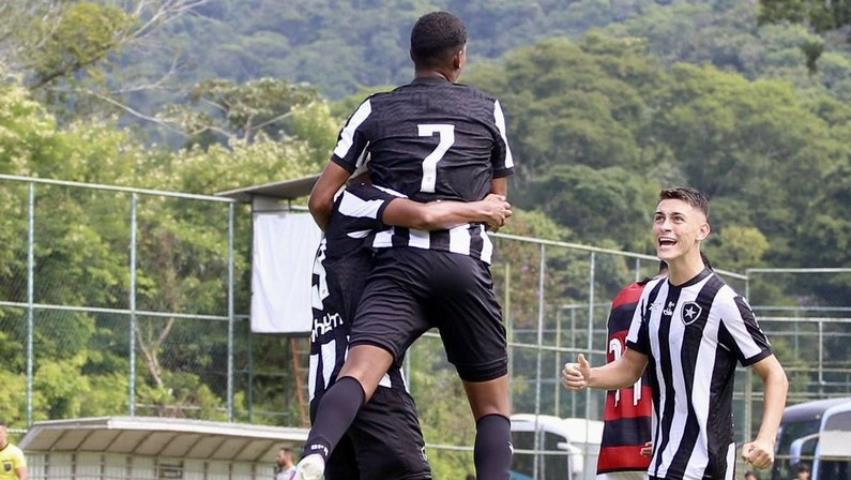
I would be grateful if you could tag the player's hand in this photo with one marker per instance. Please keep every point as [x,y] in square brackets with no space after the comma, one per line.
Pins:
[575,376]
[647,449]
[758,453]
[496,209]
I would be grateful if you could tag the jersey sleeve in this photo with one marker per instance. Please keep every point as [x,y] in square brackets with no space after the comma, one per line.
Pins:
[744,337]
[638,338]
[352,142]
[501,159]
[18,459]
[366,203]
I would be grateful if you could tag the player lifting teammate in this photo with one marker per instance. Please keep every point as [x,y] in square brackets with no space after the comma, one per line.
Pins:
[430,140]
[385,440]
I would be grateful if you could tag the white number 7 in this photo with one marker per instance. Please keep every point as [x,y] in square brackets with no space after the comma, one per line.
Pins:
[447,138]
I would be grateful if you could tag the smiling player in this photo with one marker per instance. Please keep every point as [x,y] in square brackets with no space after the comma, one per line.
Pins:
[695,329]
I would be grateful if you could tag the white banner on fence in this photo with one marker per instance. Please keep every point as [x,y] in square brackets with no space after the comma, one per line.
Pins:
[282,264]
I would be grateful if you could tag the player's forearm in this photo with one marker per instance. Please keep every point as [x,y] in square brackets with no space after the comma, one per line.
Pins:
[619,374]
[320,209]
[321,201]
[443,215]
[776,388]
[499,186]
[22,473]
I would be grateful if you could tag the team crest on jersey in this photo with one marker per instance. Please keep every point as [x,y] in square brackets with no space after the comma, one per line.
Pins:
[690,312]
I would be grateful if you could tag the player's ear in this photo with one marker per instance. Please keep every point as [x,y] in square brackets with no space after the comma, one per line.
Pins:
[704,231]
[460,58]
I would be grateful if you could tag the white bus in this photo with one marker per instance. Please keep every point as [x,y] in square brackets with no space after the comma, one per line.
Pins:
[568,447]
[817,433]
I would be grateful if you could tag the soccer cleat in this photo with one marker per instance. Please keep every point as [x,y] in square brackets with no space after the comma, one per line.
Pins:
[310,467]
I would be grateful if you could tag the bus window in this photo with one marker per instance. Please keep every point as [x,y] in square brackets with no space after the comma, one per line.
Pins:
[550,466]
[838,470]
[555,466]
[523,463]
[790,432]
[839,421]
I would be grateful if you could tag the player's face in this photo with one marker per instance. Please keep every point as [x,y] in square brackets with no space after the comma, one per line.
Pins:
[678,229]
[3,435]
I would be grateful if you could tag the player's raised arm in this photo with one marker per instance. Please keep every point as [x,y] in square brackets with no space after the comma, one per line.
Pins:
[349,154]
[621,373]
[321,200]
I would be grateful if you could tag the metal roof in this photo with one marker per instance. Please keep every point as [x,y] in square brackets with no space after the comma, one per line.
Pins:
[285,190]
[811,410]
[162,437]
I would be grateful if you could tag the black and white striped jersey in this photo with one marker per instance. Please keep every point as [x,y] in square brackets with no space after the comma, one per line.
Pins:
[342,262]
[695,333]
[430,140]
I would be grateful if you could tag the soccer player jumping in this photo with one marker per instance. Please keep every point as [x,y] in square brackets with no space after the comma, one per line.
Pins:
[695,329]
[430,140]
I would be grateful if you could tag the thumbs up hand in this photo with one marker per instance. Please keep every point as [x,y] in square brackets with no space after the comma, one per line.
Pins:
[575,376]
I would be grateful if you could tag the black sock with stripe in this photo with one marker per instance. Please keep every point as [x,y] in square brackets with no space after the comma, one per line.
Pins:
[336,412]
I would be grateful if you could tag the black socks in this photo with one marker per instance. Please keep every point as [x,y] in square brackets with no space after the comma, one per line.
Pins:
[336,412]
[493,449]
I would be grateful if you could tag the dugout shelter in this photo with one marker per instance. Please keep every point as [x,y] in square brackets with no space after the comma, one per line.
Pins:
[154,448]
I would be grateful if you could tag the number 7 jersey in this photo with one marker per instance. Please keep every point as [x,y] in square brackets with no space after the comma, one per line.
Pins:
[430,140]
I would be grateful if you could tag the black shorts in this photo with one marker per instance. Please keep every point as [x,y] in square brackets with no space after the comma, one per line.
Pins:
[410,291]
[384,442]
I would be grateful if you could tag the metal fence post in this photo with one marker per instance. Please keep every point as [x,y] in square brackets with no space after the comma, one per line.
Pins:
[590,346]
[539,342]
[133,226]
[250,392]
[230,312]
[557,388]
[572,345]
[821,358]
[509,330]
[30,299]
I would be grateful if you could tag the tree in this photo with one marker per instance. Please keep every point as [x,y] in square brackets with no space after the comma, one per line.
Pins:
[821,15]
[223,110]
[82,237]
[573,103]
[595,203]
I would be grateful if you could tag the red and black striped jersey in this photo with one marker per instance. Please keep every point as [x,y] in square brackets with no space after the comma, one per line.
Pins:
[628,414]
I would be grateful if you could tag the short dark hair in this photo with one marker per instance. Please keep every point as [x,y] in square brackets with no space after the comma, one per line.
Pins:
[802,467]
[692,196]
[435,38]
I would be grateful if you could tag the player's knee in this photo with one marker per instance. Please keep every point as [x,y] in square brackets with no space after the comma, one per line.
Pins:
[483,409]
[364,381]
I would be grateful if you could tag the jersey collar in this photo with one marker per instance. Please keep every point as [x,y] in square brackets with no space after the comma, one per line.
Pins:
[700,276]
[430,81]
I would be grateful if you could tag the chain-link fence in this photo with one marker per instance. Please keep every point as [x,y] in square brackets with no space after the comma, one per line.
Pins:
[121,301]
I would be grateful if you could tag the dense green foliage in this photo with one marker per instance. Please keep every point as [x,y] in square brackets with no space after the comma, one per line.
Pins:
[606,103]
